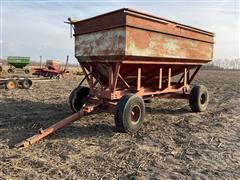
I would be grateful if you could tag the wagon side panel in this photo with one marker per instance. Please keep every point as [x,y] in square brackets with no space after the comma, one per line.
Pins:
[100,44]
[156,44]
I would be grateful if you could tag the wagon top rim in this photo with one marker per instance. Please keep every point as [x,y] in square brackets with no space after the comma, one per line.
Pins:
[146,15]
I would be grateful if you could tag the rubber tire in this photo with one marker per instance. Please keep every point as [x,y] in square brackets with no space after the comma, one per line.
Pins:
[11,81]
[123,111]
[196,96]
[26,71]
[58,77]
[26,83]
[77,98]
[10,71]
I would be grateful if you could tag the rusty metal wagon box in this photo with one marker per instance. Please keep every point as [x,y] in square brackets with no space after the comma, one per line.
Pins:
[128,57]
[129,35]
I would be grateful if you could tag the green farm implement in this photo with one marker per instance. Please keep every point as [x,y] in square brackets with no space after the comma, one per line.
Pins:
[18,63]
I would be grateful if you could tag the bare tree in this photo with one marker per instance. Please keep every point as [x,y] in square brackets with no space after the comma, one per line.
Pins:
[231,64]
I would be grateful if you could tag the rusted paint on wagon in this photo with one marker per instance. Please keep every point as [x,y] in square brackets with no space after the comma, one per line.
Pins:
[161,25]
[129,35]
[102,43]
[132,18]
[137,42]
[153,44]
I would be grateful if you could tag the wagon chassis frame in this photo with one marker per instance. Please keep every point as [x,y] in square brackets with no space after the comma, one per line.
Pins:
[166,87]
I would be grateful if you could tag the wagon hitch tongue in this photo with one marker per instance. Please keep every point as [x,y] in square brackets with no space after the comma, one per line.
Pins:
[64,122]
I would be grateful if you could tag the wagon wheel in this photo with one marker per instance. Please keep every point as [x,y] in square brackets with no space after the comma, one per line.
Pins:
[58,77]
[26,71]
[78,98]
[26,83]
[11,84]
[130,112]
[45,74]
[198,99]
[10,70]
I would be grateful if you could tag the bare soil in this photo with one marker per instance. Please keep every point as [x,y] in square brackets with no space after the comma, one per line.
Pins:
[174,143]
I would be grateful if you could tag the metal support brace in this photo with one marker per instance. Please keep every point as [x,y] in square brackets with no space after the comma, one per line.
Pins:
[160,78]
[110,78]
[185,77]
[139,79]
[188,76]
[91,75]
[116,73]
[169,77]
[124,82]
[86,75]
[194,74]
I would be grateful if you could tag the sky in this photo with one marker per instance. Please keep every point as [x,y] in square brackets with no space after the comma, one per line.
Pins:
[36,27]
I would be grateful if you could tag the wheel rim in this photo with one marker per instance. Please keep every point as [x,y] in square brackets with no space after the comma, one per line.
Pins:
[135,114]
[203,99]
[11,85]
[26,84]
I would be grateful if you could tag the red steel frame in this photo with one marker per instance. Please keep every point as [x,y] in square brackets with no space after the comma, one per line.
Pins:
[164,85]
[110,92]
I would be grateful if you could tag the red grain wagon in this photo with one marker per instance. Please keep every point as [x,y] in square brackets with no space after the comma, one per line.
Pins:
[128,57]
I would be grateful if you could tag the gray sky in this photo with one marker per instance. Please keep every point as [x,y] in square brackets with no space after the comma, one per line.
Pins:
[35,27]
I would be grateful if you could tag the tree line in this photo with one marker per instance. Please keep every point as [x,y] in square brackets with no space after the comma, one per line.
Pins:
[230,64]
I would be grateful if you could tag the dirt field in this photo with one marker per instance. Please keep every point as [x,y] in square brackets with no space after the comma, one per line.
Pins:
[174,142]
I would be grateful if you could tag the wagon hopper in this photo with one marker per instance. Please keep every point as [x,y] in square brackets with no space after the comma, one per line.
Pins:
[129,56]
[18,63]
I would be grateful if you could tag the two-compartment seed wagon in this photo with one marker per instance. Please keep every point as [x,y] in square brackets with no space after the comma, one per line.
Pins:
[129,56]
[18,63]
